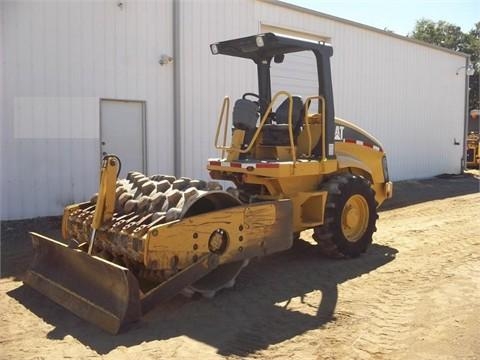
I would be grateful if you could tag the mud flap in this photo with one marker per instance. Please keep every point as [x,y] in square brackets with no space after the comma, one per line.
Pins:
[94,289]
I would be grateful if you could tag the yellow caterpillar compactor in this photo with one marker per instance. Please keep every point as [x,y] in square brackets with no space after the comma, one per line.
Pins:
[473,147]
[473,140]
[142,240]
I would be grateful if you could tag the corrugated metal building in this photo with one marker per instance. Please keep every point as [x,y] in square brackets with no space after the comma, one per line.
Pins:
[83,77]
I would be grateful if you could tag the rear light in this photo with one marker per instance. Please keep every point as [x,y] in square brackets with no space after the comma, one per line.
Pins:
[385,169]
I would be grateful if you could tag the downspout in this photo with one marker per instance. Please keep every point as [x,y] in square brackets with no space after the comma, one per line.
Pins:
[177,126]
[466,117]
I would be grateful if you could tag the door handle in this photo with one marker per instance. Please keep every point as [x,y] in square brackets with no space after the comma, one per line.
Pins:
[104,153]
[104,143]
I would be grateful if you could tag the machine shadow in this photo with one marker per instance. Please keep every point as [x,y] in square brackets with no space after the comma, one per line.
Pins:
[257,313]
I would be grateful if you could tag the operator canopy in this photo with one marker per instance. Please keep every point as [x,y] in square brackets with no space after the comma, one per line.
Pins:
[262,48]
[266,46]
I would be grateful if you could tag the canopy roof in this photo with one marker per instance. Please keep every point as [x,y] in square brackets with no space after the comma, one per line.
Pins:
[265,46]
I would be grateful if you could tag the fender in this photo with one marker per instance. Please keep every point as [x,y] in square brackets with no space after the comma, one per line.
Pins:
[348,161]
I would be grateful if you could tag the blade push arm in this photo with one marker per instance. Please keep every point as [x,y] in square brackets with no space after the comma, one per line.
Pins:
[106,194]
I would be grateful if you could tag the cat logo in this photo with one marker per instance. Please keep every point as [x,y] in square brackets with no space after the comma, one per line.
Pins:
[339,132]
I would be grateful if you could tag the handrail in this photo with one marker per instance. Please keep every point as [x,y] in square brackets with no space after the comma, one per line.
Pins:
[225,105]
[262,123]
[307,106]
[307,125]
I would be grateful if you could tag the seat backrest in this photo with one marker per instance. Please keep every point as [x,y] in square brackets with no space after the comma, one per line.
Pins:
[281,114]
[245,114]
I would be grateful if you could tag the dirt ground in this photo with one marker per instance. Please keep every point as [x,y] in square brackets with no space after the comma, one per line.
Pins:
[414,295]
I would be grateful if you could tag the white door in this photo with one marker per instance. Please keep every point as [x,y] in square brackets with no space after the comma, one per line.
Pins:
[122,133]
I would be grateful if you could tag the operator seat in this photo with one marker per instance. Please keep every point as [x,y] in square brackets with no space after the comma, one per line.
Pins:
[245,116]
[276,133]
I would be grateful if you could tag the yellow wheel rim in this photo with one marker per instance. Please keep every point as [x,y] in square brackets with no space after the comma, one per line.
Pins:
[355,217]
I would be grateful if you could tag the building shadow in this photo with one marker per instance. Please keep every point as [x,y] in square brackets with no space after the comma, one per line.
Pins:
[411,192]
[258,312]
[16,244]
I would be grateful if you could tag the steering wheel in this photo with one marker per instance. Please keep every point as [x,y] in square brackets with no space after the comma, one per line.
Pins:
[247,94]
[258,100]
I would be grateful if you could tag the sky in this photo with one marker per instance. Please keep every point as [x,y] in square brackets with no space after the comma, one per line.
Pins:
[398,16]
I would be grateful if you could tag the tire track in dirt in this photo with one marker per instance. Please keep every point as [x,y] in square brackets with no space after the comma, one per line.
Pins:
[380,315]
[385,302]
[392,310]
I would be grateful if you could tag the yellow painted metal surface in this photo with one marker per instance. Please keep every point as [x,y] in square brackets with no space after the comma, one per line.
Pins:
[305,142]
[106,193]
[366,162]
[302,167]
[308,209]
[248,229]
[237,141]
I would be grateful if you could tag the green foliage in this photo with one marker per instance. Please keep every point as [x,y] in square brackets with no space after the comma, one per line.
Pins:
[452,37]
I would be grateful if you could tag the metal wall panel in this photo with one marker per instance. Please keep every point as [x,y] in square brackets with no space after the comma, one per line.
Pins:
[204,78]
[59,59]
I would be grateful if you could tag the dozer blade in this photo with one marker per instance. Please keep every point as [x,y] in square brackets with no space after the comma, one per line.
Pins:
[94,289]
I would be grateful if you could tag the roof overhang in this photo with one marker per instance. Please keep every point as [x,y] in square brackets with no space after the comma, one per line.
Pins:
[361,26]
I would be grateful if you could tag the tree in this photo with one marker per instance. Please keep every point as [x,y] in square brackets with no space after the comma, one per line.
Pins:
[473,48]
[452,37]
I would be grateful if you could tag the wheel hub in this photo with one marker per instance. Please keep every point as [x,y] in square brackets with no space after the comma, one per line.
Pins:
[218,241]
[355,217]
[352,217]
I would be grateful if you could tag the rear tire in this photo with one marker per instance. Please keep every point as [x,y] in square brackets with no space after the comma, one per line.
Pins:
[350,217]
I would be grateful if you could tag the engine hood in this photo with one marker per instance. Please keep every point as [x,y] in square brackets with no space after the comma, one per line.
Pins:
[345,131]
